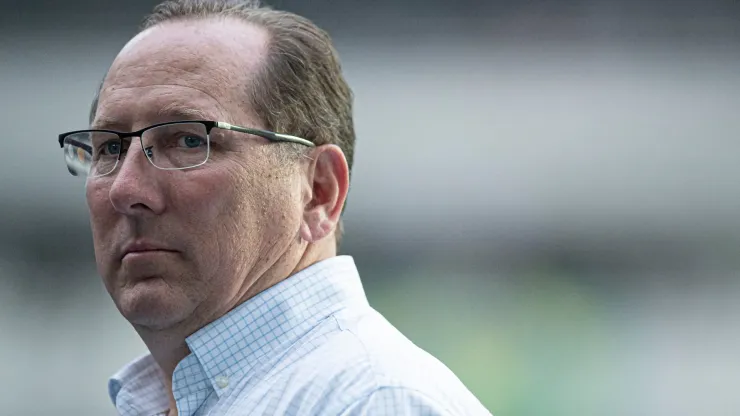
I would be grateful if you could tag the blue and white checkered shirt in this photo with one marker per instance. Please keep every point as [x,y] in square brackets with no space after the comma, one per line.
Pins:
[310,345]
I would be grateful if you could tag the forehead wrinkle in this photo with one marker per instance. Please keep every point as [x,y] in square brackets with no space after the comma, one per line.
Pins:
[206,77]
[173,108]
[216,101]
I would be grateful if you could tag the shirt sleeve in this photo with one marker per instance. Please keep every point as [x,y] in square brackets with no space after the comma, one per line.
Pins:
[396,401]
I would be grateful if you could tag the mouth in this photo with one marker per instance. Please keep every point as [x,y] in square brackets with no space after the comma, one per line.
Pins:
[143,249]
[141,254]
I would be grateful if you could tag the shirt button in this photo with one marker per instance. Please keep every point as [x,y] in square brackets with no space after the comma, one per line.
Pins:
[222,382]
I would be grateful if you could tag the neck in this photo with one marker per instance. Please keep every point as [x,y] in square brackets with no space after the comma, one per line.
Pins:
[168,347]
[173,404]
[313,253]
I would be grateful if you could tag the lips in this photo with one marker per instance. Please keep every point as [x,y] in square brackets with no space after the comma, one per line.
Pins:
[145,247]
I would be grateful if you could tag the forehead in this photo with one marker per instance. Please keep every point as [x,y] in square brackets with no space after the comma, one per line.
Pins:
[204,65]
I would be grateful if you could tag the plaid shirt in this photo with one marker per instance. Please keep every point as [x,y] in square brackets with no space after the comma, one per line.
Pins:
[310,345]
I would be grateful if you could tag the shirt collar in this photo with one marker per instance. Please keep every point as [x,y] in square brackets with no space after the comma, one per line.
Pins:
[264,326]
[139,389]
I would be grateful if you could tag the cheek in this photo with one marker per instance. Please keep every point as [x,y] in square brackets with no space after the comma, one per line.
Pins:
[214,214]
[102,216]
[96,196]
[232,216]
[256,208]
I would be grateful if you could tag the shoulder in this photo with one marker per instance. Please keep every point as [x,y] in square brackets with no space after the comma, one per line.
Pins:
[367,364]
[405,401]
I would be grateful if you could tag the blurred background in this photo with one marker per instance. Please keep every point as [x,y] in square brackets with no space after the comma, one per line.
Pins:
[545,197]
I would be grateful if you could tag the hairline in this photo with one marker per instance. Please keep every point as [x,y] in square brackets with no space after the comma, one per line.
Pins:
[252,81]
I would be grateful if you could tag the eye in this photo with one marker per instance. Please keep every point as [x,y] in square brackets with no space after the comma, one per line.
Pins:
[191,141]
[111,147]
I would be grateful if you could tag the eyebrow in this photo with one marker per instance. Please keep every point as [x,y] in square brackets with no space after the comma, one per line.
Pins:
[180,111]
[106,123]
[174,111]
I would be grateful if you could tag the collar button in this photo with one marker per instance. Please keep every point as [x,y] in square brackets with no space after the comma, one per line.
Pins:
[222,382]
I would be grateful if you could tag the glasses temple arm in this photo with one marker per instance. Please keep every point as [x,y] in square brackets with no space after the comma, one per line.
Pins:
[278,137]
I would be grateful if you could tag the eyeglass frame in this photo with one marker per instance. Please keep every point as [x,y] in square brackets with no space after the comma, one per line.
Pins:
[209,125]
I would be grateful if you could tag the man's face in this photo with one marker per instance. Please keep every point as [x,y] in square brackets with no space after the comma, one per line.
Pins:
[216,227]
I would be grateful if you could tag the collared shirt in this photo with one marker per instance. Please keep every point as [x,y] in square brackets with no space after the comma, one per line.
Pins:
[310,345]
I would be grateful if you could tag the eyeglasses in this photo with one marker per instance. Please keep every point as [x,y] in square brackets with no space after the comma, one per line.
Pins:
[168,146]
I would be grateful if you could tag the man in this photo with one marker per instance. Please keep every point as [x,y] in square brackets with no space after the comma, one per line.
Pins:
[217,168]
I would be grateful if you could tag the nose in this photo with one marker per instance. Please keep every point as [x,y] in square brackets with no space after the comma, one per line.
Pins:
[136,189]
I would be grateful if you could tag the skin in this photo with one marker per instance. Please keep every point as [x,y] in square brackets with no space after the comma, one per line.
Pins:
[228,229]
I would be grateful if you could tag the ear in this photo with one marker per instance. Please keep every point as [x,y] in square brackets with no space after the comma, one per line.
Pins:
[325,192]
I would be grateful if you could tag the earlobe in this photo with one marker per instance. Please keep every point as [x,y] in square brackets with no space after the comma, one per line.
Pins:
[305,232]
[315,226]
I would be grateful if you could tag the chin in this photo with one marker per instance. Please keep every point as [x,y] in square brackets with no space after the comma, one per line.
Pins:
[153,304]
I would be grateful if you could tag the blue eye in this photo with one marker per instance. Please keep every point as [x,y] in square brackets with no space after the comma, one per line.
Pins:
[192,142]
[112,147]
